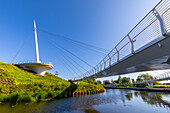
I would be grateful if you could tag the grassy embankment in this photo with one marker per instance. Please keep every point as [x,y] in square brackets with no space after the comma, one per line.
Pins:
[17,85]
[161,86]
[144,85]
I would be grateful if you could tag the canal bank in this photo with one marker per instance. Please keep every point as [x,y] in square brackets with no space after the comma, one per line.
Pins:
[139,89]
[111,101]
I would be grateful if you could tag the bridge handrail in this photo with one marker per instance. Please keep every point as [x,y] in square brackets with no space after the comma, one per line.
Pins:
[160,77]
[44,62]
[150,20]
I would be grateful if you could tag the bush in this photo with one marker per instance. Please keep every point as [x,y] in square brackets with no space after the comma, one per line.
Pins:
[161,86]
[13,97]
[41,95]
[50,94]
[143,85]
[107,82]
[26,97]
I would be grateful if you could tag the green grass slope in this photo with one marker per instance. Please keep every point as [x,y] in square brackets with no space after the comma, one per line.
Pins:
[17,85]
[85,86]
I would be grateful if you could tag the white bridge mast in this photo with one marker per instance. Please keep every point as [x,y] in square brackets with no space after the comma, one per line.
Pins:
[36,44]
[37,66]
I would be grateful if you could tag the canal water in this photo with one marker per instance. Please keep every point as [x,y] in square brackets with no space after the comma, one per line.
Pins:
[111,101]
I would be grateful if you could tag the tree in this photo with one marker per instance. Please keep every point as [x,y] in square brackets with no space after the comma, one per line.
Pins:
[133,81]
[92,80]
[118,80]
[113,82]
[144,77]
[56,73]
[98,82]
[125,80]
[106,82]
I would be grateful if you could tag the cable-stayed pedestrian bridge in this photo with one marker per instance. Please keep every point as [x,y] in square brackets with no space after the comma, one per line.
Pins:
[146,47]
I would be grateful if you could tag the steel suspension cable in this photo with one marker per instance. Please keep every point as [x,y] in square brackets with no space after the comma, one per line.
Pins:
[71,53]
[91,51]
[69,58]
[72,60]
[63,37]
[22,47]
[65,63]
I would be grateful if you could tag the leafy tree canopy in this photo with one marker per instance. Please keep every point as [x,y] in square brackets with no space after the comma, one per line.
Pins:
[125,80]
[144,77]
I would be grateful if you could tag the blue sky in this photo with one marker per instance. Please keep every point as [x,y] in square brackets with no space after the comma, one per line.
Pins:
[102,23]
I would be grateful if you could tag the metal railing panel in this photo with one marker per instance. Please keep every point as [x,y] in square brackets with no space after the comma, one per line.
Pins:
[166,17]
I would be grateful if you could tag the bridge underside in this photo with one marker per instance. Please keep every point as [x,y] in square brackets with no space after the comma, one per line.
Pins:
[153,56]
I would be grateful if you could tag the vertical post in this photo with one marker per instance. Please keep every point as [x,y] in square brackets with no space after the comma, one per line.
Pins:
[36,44]
[117,54]
[150,85]
[90,72]
[104,65]
[162,24]
[109,60]
[100,67]
[132,45]
[95,70]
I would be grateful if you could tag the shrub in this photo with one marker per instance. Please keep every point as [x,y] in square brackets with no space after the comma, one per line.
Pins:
[41,95]
[25,97]
[161,86]
[13,97]
[50,94]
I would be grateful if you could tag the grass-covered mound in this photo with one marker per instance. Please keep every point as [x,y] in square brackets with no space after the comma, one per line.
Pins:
[17,85]
[161,86]
[85,86]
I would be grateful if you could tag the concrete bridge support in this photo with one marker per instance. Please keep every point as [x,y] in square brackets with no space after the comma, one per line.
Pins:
[150,85]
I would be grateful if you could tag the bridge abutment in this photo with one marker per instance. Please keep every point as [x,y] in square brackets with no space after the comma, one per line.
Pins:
[150,85]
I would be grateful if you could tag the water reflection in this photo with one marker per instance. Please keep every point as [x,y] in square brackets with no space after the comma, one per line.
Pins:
[113,100]
[153,98]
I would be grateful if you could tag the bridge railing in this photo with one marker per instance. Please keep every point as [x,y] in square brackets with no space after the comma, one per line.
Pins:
[32,62]
[161,77]
[154,25]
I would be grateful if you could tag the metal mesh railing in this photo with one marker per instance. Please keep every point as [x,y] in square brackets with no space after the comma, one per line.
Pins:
[161,77]
[32,62]
[147,30]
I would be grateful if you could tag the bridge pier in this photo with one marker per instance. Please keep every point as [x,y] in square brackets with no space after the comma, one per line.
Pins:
[150,85]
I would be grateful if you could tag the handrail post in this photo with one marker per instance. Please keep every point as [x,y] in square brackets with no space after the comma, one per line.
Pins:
[117,54]
[95,70]
[104,65]
[109,60]
[162,24]
[100,67]
[132,45]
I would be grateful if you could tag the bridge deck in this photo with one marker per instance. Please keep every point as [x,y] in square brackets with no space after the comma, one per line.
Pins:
[150,57]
